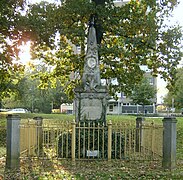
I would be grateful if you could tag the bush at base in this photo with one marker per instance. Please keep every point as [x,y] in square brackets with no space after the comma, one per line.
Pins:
[91,139]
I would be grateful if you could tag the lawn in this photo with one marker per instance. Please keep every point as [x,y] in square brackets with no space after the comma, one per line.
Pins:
[115,169]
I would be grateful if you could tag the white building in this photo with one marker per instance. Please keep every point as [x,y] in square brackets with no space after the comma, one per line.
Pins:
[66,108]
[124,105]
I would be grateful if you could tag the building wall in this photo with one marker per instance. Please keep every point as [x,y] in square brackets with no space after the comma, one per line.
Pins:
[125,105]
[66,108]
[120,2]
[118,108]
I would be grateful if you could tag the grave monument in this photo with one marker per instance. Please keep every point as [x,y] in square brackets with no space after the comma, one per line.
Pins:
[91,97]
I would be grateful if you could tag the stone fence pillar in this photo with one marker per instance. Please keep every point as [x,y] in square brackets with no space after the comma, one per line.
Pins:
[169,143]
[13,142]
[139,133]
[39,134]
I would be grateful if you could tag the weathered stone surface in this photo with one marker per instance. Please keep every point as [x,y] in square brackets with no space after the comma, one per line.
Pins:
[169,143]
[91,98]
[91,76]
[91,106]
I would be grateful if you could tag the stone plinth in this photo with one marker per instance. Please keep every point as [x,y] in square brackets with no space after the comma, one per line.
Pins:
[91,106]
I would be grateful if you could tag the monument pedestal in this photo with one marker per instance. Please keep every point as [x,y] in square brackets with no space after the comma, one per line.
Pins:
[91,106]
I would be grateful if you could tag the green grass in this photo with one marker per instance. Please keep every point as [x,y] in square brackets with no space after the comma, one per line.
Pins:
[115,169]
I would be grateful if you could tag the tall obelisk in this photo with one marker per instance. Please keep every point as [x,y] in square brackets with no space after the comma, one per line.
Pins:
[91,97]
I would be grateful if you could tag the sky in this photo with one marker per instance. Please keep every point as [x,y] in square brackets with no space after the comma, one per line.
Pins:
[177,18]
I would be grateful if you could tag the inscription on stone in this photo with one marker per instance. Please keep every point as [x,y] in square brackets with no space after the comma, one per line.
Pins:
[91,109]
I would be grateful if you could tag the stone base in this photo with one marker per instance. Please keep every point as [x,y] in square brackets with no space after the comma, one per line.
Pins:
[91,106]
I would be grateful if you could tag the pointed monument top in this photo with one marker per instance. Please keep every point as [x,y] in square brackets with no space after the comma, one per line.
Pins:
[91,75]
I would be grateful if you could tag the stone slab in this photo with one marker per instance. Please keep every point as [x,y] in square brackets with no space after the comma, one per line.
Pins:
[90,106]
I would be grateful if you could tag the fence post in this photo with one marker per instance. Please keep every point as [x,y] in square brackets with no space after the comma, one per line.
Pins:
[139,123]
[169,143]
[13,142]
[73,140]
[109,140]
[39,135]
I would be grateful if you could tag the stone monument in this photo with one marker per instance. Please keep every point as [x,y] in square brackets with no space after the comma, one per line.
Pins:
[91,97]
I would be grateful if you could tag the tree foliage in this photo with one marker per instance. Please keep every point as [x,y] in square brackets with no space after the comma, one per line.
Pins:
[143,93]
[30,96]
[175,94]
[129,36]
[132,35]
[11,36]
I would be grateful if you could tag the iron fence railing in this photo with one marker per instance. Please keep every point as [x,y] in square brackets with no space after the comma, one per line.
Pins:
[2,149]
[152,140]
[28,137]
[91,141]
[2,141]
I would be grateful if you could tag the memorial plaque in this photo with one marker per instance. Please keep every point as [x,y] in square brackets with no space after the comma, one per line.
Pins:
[93,153]
[91,109]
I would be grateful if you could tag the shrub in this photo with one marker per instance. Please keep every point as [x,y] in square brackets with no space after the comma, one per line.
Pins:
[2,136]
[91,137]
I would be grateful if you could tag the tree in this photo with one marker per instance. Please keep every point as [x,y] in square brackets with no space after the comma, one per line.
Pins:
[34,98]
[130,36]
[11,36]
[175,95]
[143,93]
